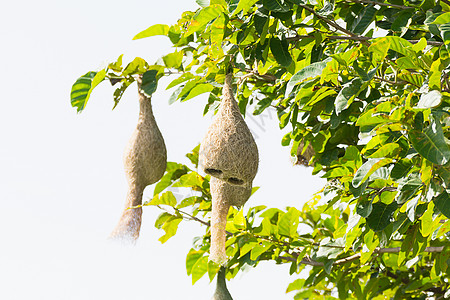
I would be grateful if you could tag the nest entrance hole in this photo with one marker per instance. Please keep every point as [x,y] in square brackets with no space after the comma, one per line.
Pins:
[213,172]
[235,181]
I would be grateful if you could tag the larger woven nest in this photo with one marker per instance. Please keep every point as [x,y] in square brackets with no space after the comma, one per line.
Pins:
[228,150]
[145,160]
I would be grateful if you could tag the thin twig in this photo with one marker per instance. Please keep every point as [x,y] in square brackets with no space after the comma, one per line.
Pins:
[401,82]
[355,38]
[446,2]
[328,21]
[309,261]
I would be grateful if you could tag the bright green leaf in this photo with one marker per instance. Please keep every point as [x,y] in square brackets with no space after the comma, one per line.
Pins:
[82,88]
[368,168]
[157,29]
[431,143]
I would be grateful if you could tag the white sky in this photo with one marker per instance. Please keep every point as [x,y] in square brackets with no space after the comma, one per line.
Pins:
[62,185]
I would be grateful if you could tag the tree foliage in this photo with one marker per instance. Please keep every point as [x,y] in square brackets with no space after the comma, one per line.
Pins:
[365,84]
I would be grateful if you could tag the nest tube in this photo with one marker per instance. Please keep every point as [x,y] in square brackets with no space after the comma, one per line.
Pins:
[223,196]
[229,151]
[221,292]
[145,160]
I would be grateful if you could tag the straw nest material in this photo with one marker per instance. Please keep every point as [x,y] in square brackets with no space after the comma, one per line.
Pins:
[304,155]
[236,195]
[223,196]
[145,160]
[228,150]
[221,292]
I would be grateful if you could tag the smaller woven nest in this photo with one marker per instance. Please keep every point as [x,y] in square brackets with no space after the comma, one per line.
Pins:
[304,155]
[145,159]
[223,196]
[228,150]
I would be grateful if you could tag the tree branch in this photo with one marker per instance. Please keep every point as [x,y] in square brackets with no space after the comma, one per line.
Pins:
[309,261]
[328,21]
[378,3]
[356,38]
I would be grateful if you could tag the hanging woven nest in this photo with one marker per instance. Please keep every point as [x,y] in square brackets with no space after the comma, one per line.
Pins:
[228,150]
[145,160]
[221,292]
[223,196]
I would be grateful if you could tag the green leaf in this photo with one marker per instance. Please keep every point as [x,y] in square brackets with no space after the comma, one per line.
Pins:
[368,168]
[429,100]
[170,227]
[401,20]
[239,220]
[445,32]
[431,143]
[380,48]
[288,223]
[276,5]
[244,5]
[82,88]
[213,269]
[399,45]
[280,50]
[313,70]
[181,79]
[409,188]
[364,209]
[198,90]
[380,216]
[257,250]
[199,269]
[364,19]
[157,29]
[401,169]
[173,60]
[203,17]
[346,95]
[388,150]
[191,179]
[191,259]
[137,66]
[442,202]
[149,82]
[165,199]
[442,19]
[202,3]
[262,105]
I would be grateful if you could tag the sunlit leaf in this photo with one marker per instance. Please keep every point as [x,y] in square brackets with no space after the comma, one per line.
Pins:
[157,29]
[430,99]
[368,168]
[313,70]
[346,95]
[431,143]
[82,88]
